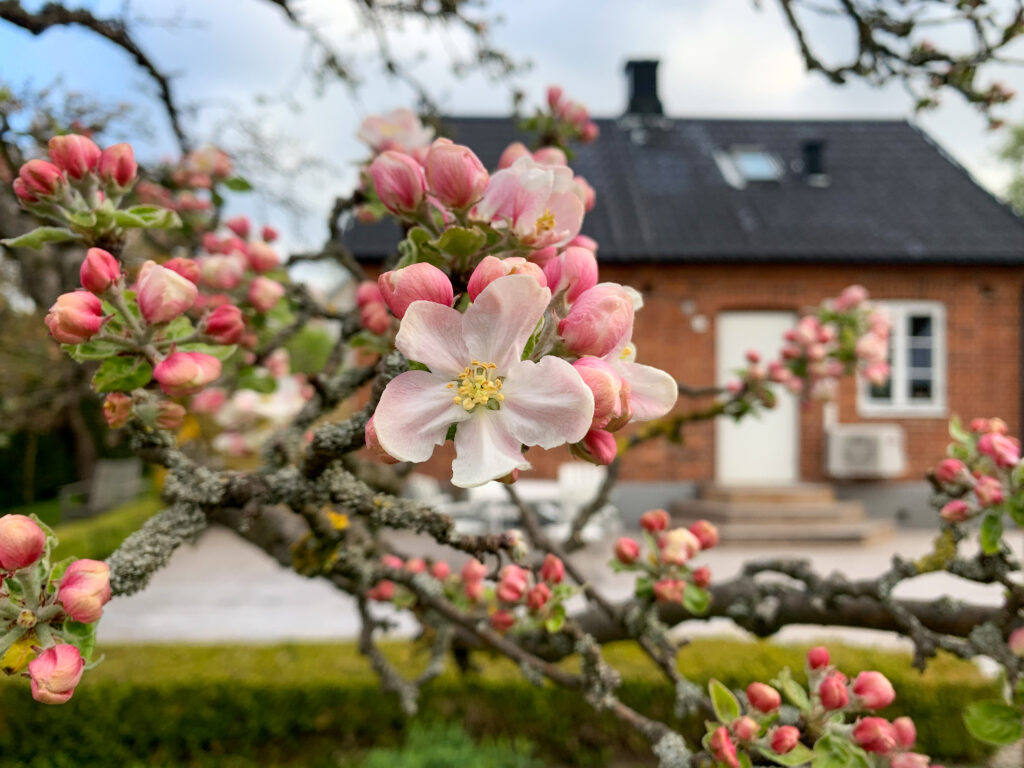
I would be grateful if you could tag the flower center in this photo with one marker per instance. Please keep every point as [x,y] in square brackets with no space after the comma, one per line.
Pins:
[479,384]
[546,221]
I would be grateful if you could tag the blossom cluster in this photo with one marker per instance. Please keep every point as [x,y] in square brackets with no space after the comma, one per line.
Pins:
[189,184]
[983,476]
[497,303]
[666,574]
[844,335]
[48,611]
[835,724]
[563,121]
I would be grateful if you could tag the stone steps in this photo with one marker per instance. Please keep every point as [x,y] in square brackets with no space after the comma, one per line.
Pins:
[770,494]
[765,534]
[724,512]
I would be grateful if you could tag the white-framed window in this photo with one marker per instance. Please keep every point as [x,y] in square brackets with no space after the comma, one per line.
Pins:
[745,163]
[917,357]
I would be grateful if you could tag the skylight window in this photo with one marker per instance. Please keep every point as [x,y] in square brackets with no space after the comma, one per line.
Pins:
[745,164]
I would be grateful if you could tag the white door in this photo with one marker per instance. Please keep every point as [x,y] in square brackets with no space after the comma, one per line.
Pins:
[759,450]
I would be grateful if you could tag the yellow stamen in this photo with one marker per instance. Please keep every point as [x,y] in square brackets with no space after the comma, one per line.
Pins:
[546,221]
[477,385]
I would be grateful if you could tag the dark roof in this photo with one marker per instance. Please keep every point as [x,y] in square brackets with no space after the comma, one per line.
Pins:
[893,195]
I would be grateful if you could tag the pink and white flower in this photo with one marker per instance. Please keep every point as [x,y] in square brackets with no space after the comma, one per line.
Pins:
[399,129]
[478,381]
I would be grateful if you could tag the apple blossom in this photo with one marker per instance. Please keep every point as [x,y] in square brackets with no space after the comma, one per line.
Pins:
[222,271]
[169,415]
[491,268]
[850,297]
[502,621]
[375,318]
[1003,450]
[117,408]
[99,271]
[701,576]
[550,156]
[399,129]
[669,590]
[626,550]
[75,317]
[185,373]
[745,728]
[989,491]
[473,570]
[210,400]
[416,565]
[75,155]
[678,546]
[706,533]
[262,256]
[163,294]
[818,657]
[955,511]
[906,732]
[117,168]
[478,381]
[239,225]
[55,673]
[440,570]
[874,734]
[598,447]
[654,520]
[574,271]
[264,293]
[269,234]
[455,175]
[22,542]
[552,570]
[512,152]
[40,179]
[85,589]
[382,591]
[512,583]
[585,193]
[538,596]
[417,282]
[722,747]
[763,697]
[1016,641]
[611,393]
[910,760]
[784,739]
[600,320]
[399,181]
[373,444]
[833,692]
[873,690]
[950,471]
[225,325]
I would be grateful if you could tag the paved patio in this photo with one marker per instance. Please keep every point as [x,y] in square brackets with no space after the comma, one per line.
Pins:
[222,589]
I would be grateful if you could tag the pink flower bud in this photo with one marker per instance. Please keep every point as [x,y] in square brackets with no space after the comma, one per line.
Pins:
[21,542]
[702,576]
[784,739]
[574,271]
[239,225]
[225,325]
[185,373]
[600,320]
[163,294]
[41,179]
[763,697]
[264,293]
[1016,641]
[455,176]
[850,297]
[55,674]
[542,256]
[99,271]
[491,268]
[75,155]
[169,415]
[538,596]
[512,153]
[84,590]
[269,234]
[669,590]
[502,621]
[550,156]
[910,760]
[222,272]
[210,400]
[678,546]
[611,393]
[706,533]
[582,241]
[511,584]
[553,570]
[262,257]
[117,167]
[75,317]
[1003,450]
[440,570]
[654,521]
[833,692]
[21,191]
[399,181]
[874,690]
[989,491]
[382,592]
[585,193]
[722,748]
[745,728]
[368,292]
[627,550]
[874,734]
[474,590]
[817,657]
[373,444]
[590,133]
[950,471]
[473,570]
[418,282]
[416,565]
[392,561]
[375,318]
[555,96]
[117,408]
[955,511]
[906,733]
[599,447]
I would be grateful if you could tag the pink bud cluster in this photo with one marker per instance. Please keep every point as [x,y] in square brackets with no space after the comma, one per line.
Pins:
[77,175]
[666,574]
[572,118]
[753,730]
[45,598]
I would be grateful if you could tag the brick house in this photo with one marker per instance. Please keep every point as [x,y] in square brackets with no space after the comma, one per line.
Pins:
[731,227]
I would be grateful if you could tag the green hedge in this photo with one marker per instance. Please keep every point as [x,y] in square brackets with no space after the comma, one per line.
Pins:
[181,705]
[97,537]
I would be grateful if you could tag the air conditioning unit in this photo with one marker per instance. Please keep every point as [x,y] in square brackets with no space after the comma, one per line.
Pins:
[866,451]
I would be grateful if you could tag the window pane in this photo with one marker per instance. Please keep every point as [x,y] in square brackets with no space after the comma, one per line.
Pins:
[920,325]
[920,389]
[755,165]
[920,358]
[882,392]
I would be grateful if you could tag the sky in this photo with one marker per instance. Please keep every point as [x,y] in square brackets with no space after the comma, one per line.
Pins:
[235,59]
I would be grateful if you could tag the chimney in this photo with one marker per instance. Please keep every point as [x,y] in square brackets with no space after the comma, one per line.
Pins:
[813,151]
[643,87]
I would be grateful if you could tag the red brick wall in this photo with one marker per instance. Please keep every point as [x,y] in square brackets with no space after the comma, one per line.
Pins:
[983,342]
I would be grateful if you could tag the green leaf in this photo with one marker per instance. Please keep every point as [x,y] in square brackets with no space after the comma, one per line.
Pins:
[258,380]
[991,532]
[82,636]
[744,760]
[1015,506]
[556,620]
[727,707]
[792,690]
[832,751]
[994,722]
[461,242]
[958,451]
[957,431]
[39,236]
[221,351]
[799,755]
[147,217]
[91,350]
[696,600]
[122,374]
[178,328]
[238,184]
[644,587]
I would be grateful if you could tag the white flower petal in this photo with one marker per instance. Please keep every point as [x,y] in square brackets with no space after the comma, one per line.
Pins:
[432,334]
[497,325]
[546,403]
[485,450]
[652,392]
[414,414]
